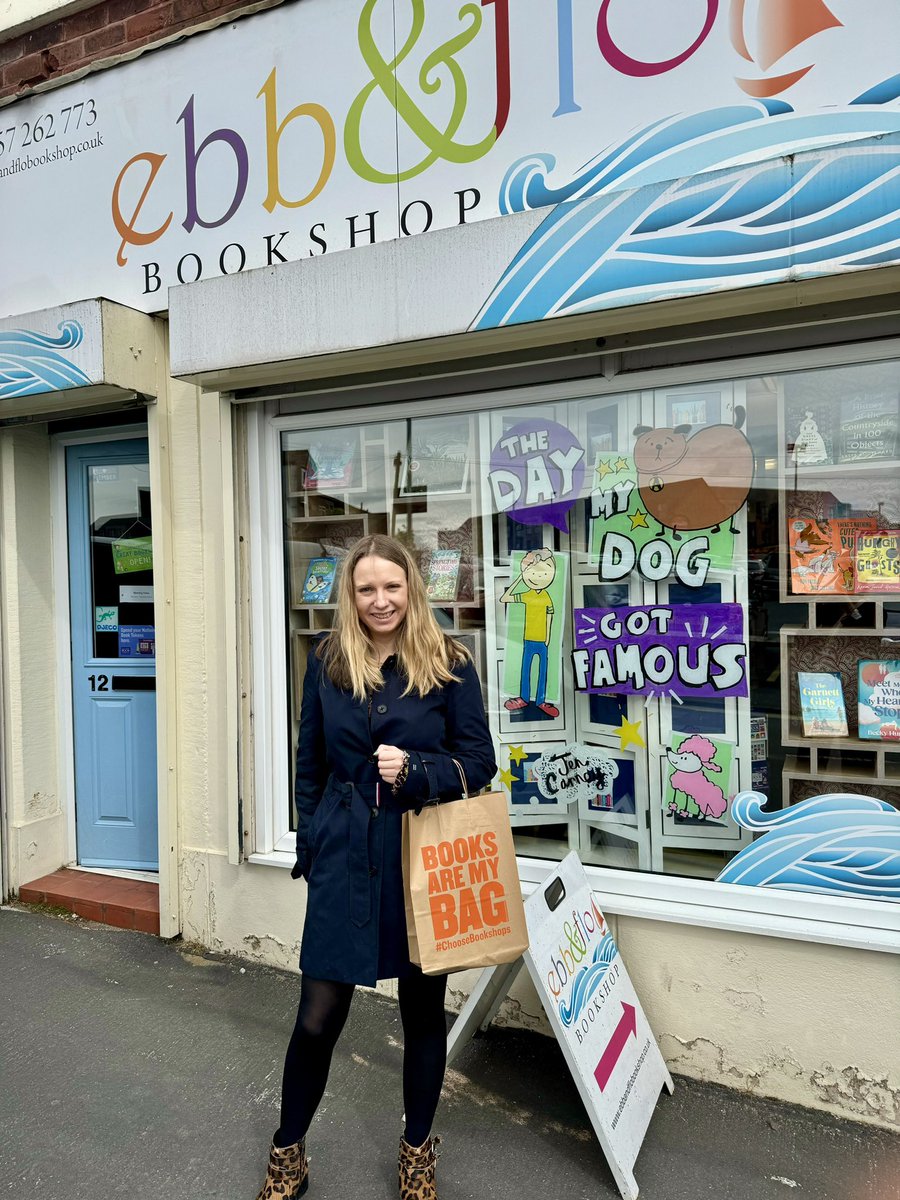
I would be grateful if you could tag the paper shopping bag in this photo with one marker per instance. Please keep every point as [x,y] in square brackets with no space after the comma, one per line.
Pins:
[463,899]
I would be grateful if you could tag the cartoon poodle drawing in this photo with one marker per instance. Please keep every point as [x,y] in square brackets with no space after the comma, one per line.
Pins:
[695,794]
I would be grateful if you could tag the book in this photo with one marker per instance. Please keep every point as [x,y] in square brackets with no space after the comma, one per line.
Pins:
[319,580]
[869,427]
[822,709]
[877,567]
[823,553]
[845,532]
[330,462]
[442,575]
[813,558]
[809,429]
[878,708]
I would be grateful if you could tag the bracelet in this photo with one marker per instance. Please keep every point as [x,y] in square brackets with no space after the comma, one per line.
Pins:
[401,774]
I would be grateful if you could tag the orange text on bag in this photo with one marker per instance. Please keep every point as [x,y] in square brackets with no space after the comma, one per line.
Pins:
[454,871]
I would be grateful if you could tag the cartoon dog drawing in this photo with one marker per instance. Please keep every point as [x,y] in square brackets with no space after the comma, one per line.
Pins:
[697,482]
[701,797]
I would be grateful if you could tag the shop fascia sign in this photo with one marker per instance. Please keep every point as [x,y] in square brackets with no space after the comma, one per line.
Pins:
[230,157]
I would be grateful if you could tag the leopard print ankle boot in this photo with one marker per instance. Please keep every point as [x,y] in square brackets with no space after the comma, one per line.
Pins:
[288,1173]
[416,1168]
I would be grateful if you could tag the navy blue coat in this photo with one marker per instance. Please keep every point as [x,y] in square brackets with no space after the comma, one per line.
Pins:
[349,823]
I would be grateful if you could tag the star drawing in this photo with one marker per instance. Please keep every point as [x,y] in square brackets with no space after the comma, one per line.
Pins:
[517,755]
[604,469]
[629,734]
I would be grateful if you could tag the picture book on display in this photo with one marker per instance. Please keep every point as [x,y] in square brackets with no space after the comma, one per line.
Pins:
[442,574]
[823,554]
[879,699]
[822,709]
[319,580]
[330,463]
[878,560]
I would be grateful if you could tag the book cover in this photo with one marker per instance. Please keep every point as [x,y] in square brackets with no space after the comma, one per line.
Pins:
[879,699]
[878,560]
[319,580]
[822,709]
[869,427]
[813,557]
[809,429]
[330,463]
[845,531]
[442,575]
[823,554]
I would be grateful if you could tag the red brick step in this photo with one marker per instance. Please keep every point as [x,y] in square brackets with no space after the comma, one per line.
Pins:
[127,903]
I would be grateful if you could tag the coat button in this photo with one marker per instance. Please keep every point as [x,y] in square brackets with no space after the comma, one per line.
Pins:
[373,813]
[382,708]
[373,871]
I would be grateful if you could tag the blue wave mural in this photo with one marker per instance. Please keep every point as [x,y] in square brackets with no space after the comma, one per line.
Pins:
[841,844]
[31,363]
[748,194]
[588,980]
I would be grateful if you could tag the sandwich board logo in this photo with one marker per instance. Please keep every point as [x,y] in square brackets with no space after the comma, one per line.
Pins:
[596,1015]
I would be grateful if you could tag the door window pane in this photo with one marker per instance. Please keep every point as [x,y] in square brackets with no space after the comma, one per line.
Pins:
[121,560]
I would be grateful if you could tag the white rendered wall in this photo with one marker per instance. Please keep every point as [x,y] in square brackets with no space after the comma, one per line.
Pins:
[30,705]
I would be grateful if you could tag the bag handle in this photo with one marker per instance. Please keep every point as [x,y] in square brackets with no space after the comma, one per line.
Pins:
[462,778]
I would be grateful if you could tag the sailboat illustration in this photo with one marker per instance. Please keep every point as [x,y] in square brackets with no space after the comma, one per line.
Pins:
[764,31]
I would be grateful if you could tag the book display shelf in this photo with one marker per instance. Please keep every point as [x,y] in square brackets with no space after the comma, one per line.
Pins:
[839,507]
[410,479]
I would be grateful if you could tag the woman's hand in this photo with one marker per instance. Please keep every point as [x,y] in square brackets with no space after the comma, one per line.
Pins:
[390,762]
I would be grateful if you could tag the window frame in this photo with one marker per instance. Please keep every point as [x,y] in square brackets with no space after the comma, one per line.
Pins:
[844,921]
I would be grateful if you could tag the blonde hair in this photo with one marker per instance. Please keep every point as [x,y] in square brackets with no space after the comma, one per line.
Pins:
[425,654]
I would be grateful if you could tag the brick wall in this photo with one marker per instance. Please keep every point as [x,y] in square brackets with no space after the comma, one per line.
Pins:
[102,34]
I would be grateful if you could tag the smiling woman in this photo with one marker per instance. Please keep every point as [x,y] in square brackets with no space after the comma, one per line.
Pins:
[391,715]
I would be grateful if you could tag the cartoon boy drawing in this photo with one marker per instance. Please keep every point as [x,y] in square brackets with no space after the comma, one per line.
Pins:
[538,571]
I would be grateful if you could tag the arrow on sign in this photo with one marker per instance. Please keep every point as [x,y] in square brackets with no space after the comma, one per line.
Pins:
[626,1028]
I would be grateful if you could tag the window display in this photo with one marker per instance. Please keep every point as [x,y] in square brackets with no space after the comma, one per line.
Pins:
[671,595]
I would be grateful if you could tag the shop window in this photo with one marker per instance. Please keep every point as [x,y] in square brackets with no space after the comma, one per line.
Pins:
[671,596]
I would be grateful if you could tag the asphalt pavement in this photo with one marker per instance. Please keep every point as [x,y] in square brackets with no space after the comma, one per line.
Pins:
[135,1067]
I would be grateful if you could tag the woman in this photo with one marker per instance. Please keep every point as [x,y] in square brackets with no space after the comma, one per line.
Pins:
[390,706]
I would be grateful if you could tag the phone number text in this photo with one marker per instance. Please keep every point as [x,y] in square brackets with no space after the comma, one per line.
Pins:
[29,133]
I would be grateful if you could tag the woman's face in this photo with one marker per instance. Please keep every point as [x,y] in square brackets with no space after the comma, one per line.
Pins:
[381,594]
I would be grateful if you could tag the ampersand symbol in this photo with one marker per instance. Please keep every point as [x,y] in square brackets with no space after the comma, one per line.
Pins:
[575,943]
[439,142]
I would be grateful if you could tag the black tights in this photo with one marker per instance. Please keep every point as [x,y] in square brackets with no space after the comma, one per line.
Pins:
[324,1006]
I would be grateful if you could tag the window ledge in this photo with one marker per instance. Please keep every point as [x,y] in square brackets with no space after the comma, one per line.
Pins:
[273,858]
[769,912]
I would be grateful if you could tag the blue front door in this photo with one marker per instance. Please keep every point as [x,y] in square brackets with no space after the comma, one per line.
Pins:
[113,654]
